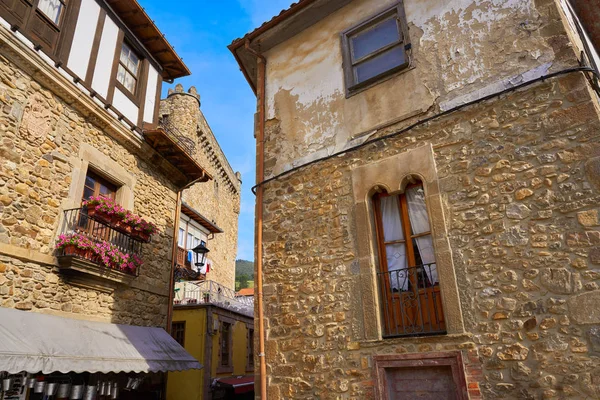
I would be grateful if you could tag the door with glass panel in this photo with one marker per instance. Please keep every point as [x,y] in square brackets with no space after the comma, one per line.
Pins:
[96,186]
[411,302]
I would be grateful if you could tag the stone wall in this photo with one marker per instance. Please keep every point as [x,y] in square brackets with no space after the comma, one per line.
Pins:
[42,155]
[218,199]
[519,184]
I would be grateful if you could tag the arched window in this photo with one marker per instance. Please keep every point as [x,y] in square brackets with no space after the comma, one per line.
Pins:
[408,279]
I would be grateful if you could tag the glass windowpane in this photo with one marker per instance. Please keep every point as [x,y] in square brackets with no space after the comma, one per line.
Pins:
[189,241]
[181,237]
[89,181]
[417,210]
[87,193]
[390,215]
[397,264]
[104,190]
[133,63]
[377,65]
[121,74]
[381,35]
[129,82]
[52,9]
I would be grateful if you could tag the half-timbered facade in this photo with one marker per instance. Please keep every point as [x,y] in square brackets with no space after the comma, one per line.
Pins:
[111,49]
[90,199]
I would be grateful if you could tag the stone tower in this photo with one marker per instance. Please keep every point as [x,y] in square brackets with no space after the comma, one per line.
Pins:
[217,200]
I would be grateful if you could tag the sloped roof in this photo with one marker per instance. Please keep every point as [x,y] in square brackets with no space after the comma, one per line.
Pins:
[245,292]
[286,24]
[136,19]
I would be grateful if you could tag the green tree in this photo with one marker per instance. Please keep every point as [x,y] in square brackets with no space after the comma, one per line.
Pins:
[243,281]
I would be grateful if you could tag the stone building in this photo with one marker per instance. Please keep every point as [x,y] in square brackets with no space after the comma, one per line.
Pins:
[80,84]
[210,210]
[428,200]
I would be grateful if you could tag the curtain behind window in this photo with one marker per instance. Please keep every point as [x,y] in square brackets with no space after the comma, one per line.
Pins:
[395,253]
[419,220]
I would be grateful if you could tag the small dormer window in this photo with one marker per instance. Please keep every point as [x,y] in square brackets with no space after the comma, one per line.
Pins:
[129,66]
[375,49]
[52,9]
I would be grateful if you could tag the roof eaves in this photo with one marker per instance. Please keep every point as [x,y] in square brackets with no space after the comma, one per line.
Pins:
[283,14]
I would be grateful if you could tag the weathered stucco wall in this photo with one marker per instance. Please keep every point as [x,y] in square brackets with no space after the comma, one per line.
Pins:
[44,149]
[460,49]
[218,199]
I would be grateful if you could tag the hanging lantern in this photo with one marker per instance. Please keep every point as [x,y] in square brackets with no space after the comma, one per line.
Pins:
[200,255]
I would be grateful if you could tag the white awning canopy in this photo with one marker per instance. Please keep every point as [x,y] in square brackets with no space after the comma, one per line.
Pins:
[35,342]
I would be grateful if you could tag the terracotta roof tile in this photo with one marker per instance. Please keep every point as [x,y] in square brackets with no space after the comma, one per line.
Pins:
[246,292]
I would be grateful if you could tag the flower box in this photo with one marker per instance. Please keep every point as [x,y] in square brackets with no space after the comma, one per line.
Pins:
[107,211]
[98,251]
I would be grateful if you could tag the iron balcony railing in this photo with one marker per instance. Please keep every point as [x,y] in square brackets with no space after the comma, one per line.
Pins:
[77,221]
[411,301]
[209,292]
[177,136]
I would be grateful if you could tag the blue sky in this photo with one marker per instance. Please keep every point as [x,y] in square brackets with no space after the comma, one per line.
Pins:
[200,30]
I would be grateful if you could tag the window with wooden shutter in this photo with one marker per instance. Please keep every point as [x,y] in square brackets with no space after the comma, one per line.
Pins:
[408,278]
[15,12]
[39,20]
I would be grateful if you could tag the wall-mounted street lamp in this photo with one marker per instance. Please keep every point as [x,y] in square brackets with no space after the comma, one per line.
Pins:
[200,255]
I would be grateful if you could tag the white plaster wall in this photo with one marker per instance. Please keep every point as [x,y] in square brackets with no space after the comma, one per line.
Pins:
[150,100]
[125,106]
[460,47]
[81,49]
[106,55]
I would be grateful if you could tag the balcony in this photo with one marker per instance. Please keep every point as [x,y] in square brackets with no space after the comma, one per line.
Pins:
[183,267]
[178,150]
[194,293]
[99,259]
[411,302]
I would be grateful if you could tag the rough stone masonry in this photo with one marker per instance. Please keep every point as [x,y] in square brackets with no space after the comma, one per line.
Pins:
[517,180]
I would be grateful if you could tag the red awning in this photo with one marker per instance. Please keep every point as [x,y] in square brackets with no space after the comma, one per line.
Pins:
[240,384]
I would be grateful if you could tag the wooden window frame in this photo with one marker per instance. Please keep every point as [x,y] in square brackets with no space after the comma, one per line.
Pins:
[220,367]
[99,179]
[138,97]
[249,348]
[352,86]
[406,227]
[174,331]
[453,359]
[136,75]
[61,16]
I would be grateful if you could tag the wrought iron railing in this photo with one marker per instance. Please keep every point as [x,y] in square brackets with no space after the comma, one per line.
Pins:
[209,292]
[411,301]
[77,221]
[177,136]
